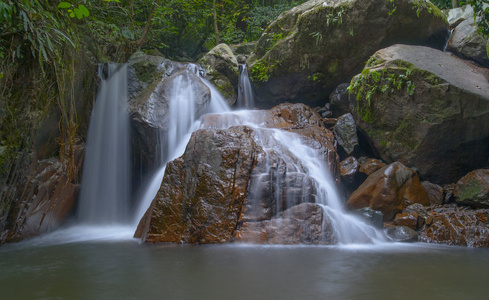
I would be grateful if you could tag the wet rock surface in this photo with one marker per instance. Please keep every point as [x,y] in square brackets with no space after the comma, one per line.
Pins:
[473,189]
[229,177]
[456,226]
[389,190]
[302,224]
[401,234]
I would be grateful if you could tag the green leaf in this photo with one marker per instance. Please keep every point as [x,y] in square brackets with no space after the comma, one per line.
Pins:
[78,13]
[83,10]
[72,14]
[113,1]
[64,5]
[127,33]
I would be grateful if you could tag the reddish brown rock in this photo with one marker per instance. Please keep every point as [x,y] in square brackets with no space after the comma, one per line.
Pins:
[371,165]
[457,226]
[435,193]
[301,224]
[228,177]
[389,190]
[473,189]
[409,219]
[203,192]
[349,167]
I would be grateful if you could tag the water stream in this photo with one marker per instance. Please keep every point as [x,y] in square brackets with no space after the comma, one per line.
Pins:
[106,177]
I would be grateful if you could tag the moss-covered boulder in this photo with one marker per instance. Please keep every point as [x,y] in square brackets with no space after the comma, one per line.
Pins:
[425,108]
[473,189]
[309,50]
[222,70]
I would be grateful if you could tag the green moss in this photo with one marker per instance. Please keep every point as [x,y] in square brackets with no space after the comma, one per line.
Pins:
[469,191]
[405,133]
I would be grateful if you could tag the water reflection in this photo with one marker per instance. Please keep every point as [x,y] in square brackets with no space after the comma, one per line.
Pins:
[128,270]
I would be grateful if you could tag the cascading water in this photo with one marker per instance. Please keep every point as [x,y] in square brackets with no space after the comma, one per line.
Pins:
[298,166]
[182,122]
[245,92]
[105,190]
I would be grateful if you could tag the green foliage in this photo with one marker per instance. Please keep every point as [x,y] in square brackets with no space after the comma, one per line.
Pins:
[370,83]
[260,72]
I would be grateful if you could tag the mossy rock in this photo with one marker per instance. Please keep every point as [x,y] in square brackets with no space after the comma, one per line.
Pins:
[414,108]
[309,50]
[222,70]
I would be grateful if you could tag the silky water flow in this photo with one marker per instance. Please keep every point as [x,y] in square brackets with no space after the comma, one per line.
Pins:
[104,204]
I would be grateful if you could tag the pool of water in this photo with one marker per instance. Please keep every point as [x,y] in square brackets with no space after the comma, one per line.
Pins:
[126,269]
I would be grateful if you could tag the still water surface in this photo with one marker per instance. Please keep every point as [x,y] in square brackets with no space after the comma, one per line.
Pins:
[130,270]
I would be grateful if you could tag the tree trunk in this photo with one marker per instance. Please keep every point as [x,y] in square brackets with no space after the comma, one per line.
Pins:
[144,36]
[216,30]
[454,3]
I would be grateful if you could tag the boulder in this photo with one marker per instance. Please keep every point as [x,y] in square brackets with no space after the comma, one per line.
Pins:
[238,174]
[346,134]
[309,50]
[389,190]
[150,116]
[468,43]
[223,71]
[435,193]
[374,217]
[473,189]
[414,108]
[350,178]
[370,165]
[401,234]
[302,224]
[457,226]
[340,100]
[409,219]
[457,15]
[203,192]
[49,200]
[244,48]
[145,72]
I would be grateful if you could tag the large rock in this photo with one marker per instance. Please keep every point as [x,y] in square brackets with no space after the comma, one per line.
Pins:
[203,192]
[49,200]
[309,50]
[457,226]
[151,116]
[467,42]
[473,189]
[346,134]
[238,174]
[302,224]
[222,70]
[414,108]
[389,190]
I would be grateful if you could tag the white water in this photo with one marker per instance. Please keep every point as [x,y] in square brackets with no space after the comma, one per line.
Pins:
[245,92]
[304,163]
[104,197]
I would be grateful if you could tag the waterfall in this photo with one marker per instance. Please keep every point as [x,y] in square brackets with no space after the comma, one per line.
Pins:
[183,120]
[450,33]
[303,165]
[104,197]
[245,92]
